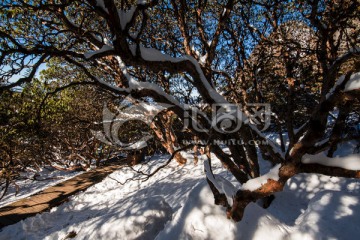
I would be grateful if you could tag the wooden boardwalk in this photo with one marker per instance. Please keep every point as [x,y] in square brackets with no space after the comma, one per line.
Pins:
[55,195]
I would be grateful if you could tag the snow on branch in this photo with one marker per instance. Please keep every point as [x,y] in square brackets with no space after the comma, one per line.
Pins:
[221,184]
[104,48]
[142,2]
[101,4]
[151,54]
[351,83]
[135,85]
[126,16]
[350,162]
[210,176]
[112,87]
[343,58]
[154,55]
[212,92]
[256,183]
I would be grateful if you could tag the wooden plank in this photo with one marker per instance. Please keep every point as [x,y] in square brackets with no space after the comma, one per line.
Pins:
[55,195]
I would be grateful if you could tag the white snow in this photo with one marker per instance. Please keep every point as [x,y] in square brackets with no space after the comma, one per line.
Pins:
[135,85]
[142,2]
[178,204]
[109,210]
[152,54]
[201,219]
[300,128]
[223,185]
[47,177]
[197,53]
[224,12]
[318,207]
[124,69]
[126,16]
[148,54]
[137,145]
[203,58]
[128,110]
[212,92]
[338,82]
[353,83]
[321,142]
[325,207]
[350,162]
[100,3]
[103,49]
[256,183]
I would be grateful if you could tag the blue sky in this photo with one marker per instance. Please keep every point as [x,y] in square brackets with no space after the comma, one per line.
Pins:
[23,73]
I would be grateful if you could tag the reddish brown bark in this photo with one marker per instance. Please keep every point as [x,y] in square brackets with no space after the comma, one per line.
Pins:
[165,134]
[288,170]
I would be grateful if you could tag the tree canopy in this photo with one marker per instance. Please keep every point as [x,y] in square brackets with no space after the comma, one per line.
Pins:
[301,57]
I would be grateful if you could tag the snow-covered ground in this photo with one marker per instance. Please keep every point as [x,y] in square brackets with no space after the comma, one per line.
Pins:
[26,186]
[177,203]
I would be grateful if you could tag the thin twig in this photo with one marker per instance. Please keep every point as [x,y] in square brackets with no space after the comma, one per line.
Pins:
[148,175]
